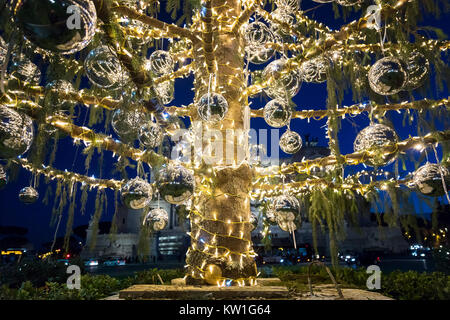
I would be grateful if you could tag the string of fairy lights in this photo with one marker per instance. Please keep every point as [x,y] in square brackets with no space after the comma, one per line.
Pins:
[228,79]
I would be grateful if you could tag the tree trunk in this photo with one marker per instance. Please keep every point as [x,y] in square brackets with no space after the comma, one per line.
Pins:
[220,219]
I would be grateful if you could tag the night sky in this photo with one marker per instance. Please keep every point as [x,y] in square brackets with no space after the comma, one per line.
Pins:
[36,217]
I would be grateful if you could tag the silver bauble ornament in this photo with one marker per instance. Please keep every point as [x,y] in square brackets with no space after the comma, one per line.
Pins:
[430,178]
[3,50]
[175,184]
[315,70]
[28,195]
[151,135]
[160,62]
[283,16]
[136,193]
[283,85]
[59,102]
[277,113]
[16,133]
[373,137]
[127,123]
[212,107]
[103,68]
[287,210]
[63,26]
[290,142]
[257,35]
[418,69]
[157,219]
[387,76]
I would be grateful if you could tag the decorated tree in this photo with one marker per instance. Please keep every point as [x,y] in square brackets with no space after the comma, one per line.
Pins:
[236,51]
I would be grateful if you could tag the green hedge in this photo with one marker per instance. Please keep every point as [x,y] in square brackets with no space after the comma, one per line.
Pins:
[410,285]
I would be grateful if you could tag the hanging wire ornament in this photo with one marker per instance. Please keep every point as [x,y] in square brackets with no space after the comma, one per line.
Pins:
[348,3]
[212,107]
[290,142]
[64,26]
[127,123]
[3,51]
[373,137]
[165,91]
[277,113]
[137,193]
[160,62]
[432,179]
[270,216]
[60,103]
[254,221]
[257,35]
[387,76]
[151,135]
[288,5]
[418,69]
[24,69]
[283,16]
[157,219]
[28,195]
[16,133]
[3,177]
[285,85]
[136,39]
[315,70]
[175,184]
[103,68]
[286,209]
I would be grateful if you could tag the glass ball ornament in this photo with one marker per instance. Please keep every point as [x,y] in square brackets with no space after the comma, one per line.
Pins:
[59,103]
[103,68]
[283,16]
[28,195]
[157,219]
[373,137]
[127,123]
[16,133]
[3,51]
[175,184]
[24,69]
[64,26]
[151,135]
[418,69]
[256,36]
[430,178]
[291,142]
[283,85]
[277,113]
[160,62]
[315,70]
[136,193]
[348,3]
[212,107]
[287,210]
[387,76]
[3,177]
[213,274]
[165,91]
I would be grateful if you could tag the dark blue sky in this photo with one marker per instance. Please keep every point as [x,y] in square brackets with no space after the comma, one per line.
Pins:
[36,217]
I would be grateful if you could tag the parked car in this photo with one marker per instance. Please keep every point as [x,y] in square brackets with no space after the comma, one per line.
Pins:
[115,261]
[91,263]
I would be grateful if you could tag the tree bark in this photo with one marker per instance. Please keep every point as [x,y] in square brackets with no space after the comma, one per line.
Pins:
[220,221]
